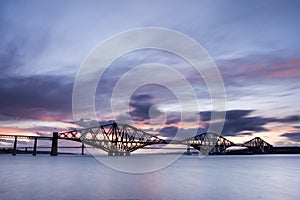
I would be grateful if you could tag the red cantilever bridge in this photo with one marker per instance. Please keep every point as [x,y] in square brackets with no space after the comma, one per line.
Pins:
[123,139]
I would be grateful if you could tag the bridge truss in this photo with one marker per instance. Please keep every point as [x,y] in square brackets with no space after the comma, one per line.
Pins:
[209,143]
[117,139]
[258,145]
[123,139]
[112,138]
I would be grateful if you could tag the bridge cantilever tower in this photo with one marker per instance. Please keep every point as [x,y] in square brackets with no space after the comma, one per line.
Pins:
[112,138]
[258,145]
[209,143]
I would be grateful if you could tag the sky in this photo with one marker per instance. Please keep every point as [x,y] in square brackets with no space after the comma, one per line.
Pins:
[255,45]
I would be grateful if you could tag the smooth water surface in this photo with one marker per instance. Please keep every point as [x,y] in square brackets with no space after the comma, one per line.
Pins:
[213,177]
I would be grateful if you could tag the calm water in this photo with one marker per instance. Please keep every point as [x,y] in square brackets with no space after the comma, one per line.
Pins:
[214,177]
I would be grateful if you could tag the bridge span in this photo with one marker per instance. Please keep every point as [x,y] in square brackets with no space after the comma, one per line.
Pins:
[116,140]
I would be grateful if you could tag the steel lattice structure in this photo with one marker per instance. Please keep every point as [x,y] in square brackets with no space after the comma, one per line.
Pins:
[30,137]
[258,145]
[113,138]
[123,139]
[209,142]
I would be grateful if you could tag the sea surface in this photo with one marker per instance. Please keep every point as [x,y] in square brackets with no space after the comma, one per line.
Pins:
[189,177]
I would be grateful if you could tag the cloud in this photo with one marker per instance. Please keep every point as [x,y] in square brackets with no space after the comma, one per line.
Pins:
[230,114]
[141,105]
[173,119]
[266,67]
[87,123]
[238,122]
[294,136]
[141,97]
[246,133]
[36,97]
[290,118]
[235,127]
[25,91]
[173,132]
[169,131]
[287,69]
[92,123]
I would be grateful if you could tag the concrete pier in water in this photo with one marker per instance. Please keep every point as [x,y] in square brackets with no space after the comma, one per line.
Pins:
[54,144]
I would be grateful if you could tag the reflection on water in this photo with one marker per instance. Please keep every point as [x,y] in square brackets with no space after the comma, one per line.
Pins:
[214,177]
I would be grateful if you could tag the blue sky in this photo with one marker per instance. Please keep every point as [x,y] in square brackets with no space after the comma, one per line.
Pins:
[255,45]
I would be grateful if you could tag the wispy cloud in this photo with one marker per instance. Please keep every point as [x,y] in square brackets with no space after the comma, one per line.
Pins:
[238,122]
[294,136]
[36,97]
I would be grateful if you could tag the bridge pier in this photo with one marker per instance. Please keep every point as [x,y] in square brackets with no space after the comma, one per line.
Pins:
[34,147]
[54,144]
[82,148]
[188,150]
[15,146]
